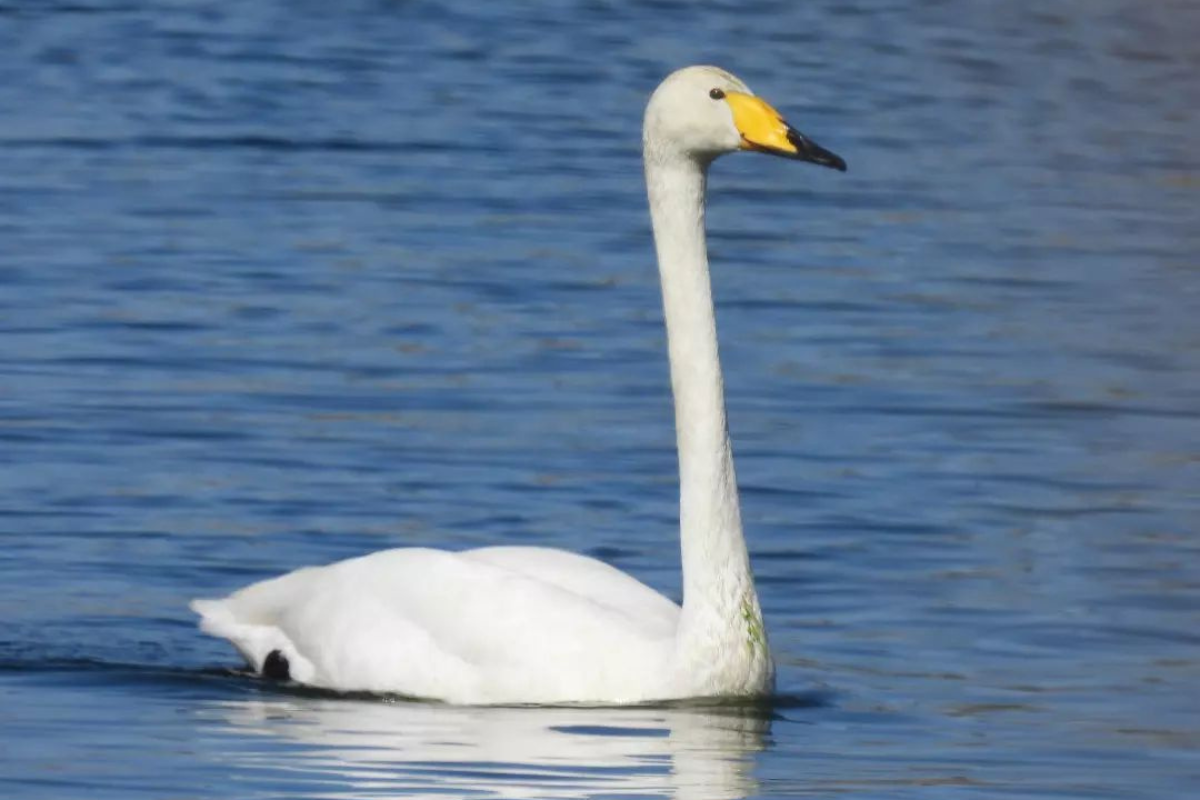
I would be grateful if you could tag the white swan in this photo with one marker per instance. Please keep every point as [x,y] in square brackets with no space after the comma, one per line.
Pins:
[536,625]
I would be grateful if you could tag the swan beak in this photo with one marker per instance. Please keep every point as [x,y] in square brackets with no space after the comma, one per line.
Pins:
[764,129]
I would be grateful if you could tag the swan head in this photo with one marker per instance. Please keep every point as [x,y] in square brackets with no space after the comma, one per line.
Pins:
[705,112]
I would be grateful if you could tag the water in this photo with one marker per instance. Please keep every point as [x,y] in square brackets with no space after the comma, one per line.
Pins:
[282,283]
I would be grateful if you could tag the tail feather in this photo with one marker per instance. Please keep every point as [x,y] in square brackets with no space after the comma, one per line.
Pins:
[255,642]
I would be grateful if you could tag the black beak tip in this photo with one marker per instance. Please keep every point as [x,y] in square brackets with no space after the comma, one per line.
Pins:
[833,161]
[808,150]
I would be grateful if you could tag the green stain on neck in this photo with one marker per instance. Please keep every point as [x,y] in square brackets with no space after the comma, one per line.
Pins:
[755,637]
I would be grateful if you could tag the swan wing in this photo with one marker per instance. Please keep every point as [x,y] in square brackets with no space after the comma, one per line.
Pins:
[601,582]
[473,627]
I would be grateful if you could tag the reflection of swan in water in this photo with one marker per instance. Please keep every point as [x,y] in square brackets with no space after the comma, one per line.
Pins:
[351,748]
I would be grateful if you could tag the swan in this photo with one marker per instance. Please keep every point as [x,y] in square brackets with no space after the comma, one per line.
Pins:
[516,625]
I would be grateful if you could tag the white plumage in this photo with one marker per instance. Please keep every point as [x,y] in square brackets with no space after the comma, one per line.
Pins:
[537,625]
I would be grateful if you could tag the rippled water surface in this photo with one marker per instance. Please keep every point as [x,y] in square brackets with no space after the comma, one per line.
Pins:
[282,283]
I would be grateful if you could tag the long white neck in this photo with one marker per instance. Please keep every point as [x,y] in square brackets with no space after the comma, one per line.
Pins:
[720,607]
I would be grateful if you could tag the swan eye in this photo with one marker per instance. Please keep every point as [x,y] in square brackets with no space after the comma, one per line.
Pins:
[716,94]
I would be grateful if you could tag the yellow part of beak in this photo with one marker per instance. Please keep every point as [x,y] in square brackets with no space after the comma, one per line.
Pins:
[761,126]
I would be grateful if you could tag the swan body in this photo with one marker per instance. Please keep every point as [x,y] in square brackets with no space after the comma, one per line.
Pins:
[538,625]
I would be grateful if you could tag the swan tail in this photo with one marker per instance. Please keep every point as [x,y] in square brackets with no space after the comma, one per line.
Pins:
[266,648]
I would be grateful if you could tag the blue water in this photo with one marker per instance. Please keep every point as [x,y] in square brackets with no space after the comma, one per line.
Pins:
[287,282]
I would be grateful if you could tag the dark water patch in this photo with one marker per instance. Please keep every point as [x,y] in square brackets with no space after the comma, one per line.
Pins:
[106,675]
[19,659]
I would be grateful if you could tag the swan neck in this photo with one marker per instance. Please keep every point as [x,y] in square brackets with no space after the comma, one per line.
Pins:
[718,589]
